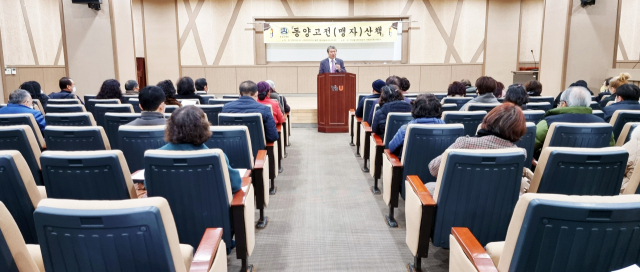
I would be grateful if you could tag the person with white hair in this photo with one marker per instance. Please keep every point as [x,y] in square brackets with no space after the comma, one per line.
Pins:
[20,101]
[572,108]
[284,107]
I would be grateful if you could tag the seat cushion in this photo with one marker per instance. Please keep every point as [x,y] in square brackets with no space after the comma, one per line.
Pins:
[494,250]
[187,255]
[34,251]
[43,192]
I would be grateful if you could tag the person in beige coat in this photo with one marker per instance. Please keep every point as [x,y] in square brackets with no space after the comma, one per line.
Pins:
[634,154]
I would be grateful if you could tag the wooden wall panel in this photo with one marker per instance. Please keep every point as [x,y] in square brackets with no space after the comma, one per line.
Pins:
[285,78]
[412,73]
[435,79]
[29,74]
[12,82]
[123,41]
[356,71]
[367,75]
[138,32]
[256,74]
[15,39]
[222,80]
[161,39]
[629,44]
[531,29]
[552,56]
[308,80]
[194,72]
[501,51]
[51,78]
[470,72]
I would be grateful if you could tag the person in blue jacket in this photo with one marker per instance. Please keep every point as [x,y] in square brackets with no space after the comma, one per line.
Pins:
[426,109]
[247,104]
[20,101]
[627,97]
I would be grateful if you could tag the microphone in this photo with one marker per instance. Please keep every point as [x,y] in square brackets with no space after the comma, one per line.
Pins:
[534,60]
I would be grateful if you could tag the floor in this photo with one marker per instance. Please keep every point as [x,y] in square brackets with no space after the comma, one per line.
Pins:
[325,218]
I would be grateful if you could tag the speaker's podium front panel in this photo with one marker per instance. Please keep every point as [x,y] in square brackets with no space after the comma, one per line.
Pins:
[336,95]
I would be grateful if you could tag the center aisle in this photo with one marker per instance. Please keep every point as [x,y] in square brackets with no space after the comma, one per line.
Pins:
[325,218]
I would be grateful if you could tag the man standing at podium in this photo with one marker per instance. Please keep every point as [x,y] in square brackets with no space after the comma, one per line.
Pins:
[332,64]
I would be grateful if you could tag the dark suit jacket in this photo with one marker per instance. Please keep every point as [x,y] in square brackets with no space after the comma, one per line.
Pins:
[622,105]
[149,118]
[325,66]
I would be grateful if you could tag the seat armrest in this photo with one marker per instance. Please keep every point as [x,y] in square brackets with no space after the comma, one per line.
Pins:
[240,197]
[474,251]
[359,119]
[260,159]
[279,127]
[270,144]
[207,250]
[378,140]
[420,190]
[352,111]
[393,159]
[367,127]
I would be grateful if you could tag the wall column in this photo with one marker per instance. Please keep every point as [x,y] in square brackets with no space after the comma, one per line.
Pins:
[502,38]
[161,40]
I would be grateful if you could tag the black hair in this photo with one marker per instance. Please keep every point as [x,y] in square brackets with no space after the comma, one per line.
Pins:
[64,82]
[130,84]
[516,94]
[186,86]
[151,97]
[390,93]
[110,89]
[248,88]
[200,84]
[393,80]
[167,87]
[426,105]
[404,84]
[628,92]
[33,87]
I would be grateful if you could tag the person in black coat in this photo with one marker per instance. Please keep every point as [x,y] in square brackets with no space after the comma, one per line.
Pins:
[391,100]
[187,90]
[627,97]
[376,87]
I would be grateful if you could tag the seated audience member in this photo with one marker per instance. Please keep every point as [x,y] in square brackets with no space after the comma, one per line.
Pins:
[391,100]
[67,90]
[169,92]
[426,109]
[274,95]
[187,90]
[34,89]
[201,85]
[500,128]
[632,146]
[485,87]
[470,88]
[499,89]
[247,104]
[152,106]
[627,97]
[20,101]
[579,83]
[533,87]
[131,87]
[188,130]
[375,93]
[456,89]
[110,89]
[614,84]
[573,108]
[404,88]
[604,89]
[264,99]
[517,95]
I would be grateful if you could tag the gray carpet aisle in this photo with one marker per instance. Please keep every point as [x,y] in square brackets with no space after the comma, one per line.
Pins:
[325,218]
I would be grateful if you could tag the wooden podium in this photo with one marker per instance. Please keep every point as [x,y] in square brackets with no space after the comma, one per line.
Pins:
[336,95]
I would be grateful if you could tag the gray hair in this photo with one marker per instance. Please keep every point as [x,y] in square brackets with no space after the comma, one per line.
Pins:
[19,96]
[576,96]
[331,47]
[130,85]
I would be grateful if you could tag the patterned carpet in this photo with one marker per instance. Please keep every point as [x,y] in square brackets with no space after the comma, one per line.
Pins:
[325,218]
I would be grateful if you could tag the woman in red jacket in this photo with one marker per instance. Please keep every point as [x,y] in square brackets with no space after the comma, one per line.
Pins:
[263,98]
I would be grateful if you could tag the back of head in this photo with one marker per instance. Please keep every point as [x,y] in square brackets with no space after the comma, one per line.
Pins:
[248,88]
[187,125]
[620,80]
[533,87]
[485,84]
[576,96]
[151,97]
[404,84]
[33,87]
[110,89]
[64,82]
[272,85]
[186,86]
[505,121]
[499,88]
[628,92]
[130,84]
[263,90]
[395,80]
[390,93]
[167,88]
[426,105]
[466,82]
[19,96]
[457,88]
[200,84]
[516,94]
[377,85]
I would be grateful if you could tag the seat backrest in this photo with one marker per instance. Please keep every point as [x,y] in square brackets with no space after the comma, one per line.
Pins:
[395,120]
[143,228]
[79,119]
[101,109]
[206,97]
[90,104]
[231,96]
[63,101]
[449,107]
[528,142]
[360,97]
[170,108]
[598,113]
[128,97]
[24,119]
[86,98]
[204,180]
[87,175]
[367,108]
[459,101]
[470,120]
[135,140]
[217,101]
[533,116]
[595,105]
[135,103]
[19,193]
[578,135]
[621,117]
[67,138]
[482,106]
[537,99]
[112,121]
[235,142]
[21,138]
[440,96]
[187,102]
[544,106]
[12,244]
[253,122]
[580,171]
[65,108]
[572,233]
[36,103]
[463,173]
[625,134]
[212,112]
[373,113]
